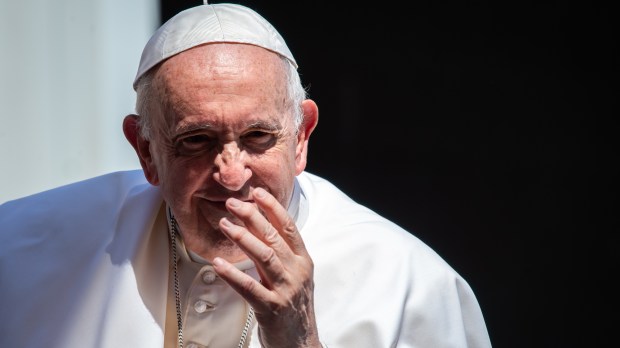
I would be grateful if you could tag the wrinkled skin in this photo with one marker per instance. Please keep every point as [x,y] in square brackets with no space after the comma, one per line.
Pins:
[224,151]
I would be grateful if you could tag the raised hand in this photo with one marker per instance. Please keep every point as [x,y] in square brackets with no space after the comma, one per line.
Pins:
[283,300]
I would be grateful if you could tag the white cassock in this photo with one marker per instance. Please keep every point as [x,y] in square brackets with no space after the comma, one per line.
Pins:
[88,265]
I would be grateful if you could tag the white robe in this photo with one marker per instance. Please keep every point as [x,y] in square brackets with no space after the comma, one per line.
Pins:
[83,266]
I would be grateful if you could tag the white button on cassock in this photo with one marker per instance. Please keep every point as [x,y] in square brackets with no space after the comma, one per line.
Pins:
[202,306]
[208,277]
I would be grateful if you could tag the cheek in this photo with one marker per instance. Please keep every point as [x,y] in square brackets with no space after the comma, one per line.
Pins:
[279,164]
[183,177]
[277,173]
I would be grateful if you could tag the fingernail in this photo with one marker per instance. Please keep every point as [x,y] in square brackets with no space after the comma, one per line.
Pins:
[233,202]
[259,192]
[225,222]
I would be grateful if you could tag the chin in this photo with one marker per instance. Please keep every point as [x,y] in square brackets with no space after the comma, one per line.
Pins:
[213,213]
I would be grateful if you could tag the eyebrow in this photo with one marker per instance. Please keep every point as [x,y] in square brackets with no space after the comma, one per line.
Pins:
[272,126]
[192,128]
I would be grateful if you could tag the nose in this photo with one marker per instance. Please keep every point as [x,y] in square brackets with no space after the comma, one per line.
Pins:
[231,171]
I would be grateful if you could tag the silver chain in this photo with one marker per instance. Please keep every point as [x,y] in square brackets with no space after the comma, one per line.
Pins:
[177,291]
[246,328]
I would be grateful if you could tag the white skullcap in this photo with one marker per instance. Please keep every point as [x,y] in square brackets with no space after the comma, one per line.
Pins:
[210,24]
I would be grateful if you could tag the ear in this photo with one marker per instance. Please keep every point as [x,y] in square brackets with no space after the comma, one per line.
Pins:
[142,147]
[311,118]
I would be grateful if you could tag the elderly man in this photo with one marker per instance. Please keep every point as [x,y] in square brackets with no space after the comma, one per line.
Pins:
[228,242]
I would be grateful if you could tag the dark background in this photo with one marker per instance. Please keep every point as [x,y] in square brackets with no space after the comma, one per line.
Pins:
[484,129]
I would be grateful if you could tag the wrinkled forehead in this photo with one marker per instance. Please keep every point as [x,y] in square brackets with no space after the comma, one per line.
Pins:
[238,78]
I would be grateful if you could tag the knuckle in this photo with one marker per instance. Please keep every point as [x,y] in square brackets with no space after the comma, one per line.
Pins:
[276,307]
[310,265]
[267,257]
[289,228]
[269,233]
[247,286]
[238,236]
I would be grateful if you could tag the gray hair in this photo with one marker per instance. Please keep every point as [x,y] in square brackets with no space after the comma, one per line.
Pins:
[146,94]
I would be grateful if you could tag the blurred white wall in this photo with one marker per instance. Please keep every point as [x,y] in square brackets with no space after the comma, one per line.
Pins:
[66,69]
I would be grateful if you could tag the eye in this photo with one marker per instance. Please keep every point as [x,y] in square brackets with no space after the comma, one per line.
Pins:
[259,140]
[196,139]
[194,143]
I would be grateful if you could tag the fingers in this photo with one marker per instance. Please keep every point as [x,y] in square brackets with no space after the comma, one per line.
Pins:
[242,283]
[281,221]
[264,256]
[274,227]
[269,238]
[283,303]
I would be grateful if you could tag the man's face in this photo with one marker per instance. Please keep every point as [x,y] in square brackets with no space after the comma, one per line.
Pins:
[220,129]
